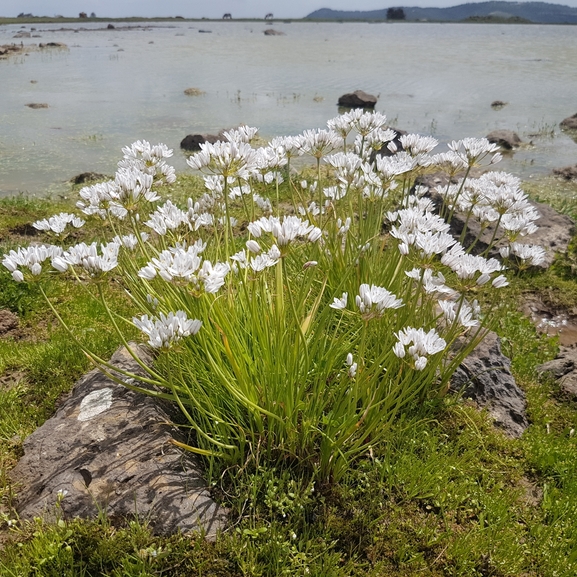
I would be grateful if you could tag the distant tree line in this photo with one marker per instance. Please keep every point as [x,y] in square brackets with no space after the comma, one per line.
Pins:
[395,14]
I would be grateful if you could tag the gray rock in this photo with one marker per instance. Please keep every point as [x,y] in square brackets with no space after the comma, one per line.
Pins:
[357,99]
[109,449]
[569,123]
[563,369]
[567,172]
[485,377]
[85,177]
[506,139]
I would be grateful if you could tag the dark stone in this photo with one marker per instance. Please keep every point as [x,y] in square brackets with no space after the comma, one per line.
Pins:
[88,177]
[506,139]
[563,369]
[193,141]
[357,99]
[497,104]
[271,32]
[111,27]
[568,172]
[570,123]
[485,377]
[109,449]
[36,105]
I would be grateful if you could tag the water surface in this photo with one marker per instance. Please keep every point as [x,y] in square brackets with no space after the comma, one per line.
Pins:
[114,86]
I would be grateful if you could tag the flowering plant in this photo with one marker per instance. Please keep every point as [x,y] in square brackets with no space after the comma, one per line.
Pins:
[297,319]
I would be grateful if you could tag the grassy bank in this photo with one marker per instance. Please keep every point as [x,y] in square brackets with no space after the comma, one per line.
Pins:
[447,495]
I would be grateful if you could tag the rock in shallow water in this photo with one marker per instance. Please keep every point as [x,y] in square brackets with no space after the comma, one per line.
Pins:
[108,448]
[357,99]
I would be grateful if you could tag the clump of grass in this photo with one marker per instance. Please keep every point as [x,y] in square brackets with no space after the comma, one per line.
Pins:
[443,493]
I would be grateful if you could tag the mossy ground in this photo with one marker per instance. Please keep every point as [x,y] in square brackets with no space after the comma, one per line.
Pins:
[448,495]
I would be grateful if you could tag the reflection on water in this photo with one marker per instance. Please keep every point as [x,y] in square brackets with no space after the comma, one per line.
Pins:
[114,86]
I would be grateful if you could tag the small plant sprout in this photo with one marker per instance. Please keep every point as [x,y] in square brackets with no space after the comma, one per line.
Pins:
[242,292]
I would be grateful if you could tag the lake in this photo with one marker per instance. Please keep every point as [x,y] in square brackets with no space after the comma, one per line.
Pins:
[111,87]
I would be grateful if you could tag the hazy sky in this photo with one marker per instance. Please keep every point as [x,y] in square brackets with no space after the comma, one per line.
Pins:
[206,8]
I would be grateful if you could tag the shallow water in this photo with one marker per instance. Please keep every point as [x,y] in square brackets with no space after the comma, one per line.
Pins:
[112,87]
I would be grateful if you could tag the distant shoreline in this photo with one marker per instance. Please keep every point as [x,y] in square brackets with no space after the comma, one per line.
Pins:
[175,19]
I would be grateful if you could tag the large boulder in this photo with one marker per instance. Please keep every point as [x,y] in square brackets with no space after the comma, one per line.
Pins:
[506,139]
[109,449]
[357,99]
[569,123]
[485,377]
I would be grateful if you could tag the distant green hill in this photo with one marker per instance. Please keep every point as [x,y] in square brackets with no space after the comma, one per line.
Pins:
[537,12]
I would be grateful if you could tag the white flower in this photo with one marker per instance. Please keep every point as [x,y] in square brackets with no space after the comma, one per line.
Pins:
[167,329]
[473,150]
[167,217]
[352,366]
[419,343]
[500,281]
[265,260]
[58,223]
[89,259]
[318,143]
[373,300]
[416,144]
[227,159]
[242,134]
[185,265]
[531,254]
[341,303]
[285,231]
[253,246]
[461,312]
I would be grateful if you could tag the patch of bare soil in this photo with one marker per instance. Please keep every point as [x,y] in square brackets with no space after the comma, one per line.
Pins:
[9,380]
[8,322]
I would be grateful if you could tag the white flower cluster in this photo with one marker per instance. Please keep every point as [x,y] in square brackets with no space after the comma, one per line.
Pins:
[419,227]
[185,265]
[58,223]
[419,343]
[142,167]
[372,300]
[529,254]
[167,329]
[242,259]
[88,257]
[286,230]
[30,258]
[466,266]
[149,159]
